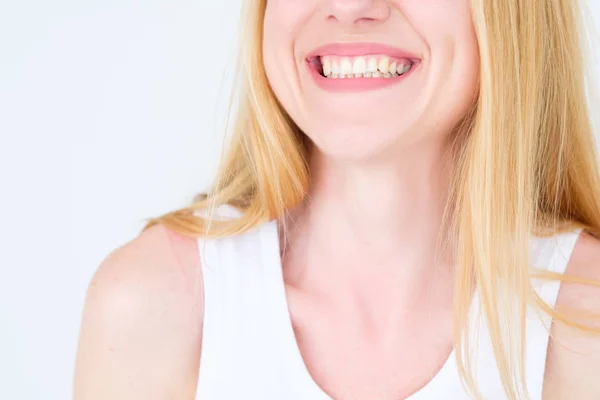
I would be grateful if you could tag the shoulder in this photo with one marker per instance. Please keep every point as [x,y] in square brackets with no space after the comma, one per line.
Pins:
[141,329]
[574,356]
[584,263]
[157,270]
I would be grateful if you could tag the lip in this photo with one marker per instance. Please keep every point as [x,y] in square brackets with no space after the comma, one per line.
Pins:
[361,49]
[357,84]
[353,50]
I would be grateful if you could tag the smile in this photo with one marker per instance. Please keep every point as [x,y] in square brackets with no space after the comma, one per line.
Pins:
[357,67]
[374,66]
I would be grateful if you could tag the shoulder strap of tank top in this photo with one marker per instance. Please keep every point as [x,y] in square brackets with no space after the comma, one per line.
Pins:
[242,325]
[564,244]
[553,254]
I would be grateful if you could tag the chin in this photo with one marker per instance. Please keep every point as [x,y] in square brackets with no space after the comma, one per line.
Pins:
[354,145]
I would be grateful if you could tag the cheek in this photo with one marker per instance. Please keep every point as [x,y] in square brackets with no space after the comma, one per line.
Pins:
[447,29]
[279,17]
[442,24]
[284,21]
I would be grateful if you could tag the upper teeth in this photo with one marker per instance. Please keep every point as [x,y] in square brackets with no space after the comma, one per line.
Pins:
[364,66]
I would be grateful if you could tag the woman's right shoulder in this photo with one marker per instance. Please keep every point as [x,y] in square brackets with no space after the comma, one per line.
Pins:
[142,322]
[159,263]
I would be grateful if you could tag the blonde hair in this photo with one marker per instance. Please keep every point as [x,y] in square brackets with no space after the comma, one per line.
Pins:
[525,163]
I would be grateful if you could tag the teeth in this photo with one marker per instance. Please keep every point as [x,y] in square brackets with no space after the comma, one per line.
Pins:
[326,67]
[335,68]
[359,66]
[376,66]
[393,67]
[346,66]
[384,65]
[372,65]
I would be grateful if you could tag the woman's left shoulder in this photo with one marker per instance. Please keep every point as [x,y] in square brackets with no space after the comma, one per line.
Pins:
[585,263]
[573,355]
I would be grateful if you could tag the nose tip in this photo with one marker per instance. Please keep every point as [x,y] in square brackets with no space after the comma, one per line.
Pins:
[352,11]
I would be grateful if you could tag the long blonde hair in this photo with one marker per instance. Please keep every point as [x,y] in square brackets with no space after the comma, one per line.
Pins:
[525,164]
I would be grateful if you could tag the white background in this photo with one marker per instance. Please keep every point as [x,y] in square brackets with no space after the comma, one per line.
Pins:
[110,112]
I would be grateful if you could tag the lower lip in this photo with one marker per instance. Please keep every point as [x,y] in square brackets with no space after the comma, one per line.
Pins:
[356,84]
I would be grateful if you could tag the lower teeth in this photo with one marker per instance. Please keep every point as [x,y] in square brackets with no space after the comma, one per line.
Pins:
[377,74]
[367,75]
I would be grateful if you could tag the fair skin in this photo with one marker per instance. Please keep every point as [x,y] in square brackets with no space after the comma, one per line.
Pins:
[360,255]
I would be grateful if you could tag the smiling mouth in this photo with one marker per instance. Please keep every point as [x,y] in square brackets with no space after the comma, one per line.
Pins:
[370,66]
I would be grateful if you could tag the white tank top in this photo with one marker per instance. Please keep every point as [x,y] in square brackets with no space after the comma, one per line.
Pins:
[249,350]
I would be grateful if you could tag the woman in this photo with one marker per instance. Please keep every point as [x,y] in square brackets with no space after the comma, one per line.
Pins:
[407,183]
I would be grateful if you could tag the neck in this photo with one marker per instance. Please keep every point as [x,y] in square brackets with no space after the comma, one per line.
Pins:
[369,216]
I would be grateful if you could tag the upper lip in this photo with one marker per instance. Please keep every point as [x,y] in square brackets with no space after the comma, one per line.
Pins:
[361,49]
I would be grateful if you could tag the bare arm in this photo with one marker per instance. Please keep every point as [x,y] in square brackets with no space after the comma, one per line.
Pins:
[573,365]
[141,330]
